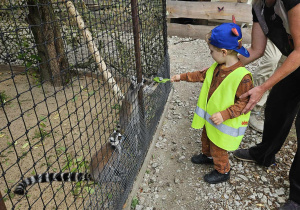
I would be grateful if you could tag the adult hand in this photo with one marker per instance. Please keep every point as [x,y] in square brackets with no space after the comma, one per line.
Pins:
[255,94]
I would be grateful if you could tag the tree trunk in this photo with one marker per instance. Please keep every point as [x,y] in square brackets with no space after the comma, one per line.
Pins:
[47,35]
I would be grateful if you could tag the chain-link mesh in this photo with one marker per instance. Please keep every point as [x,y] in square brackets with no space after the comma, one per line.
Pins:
[66,83]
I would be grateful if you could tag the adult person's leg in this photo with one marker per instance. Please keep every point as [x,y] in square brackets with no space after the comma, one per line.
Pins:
[281,108]
[267,66]
[295,169]
[283,105]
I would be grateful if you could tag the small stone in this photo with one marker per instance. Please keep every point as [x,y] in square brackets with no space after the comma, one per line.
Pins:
[181,158]
[279,191]
[264,179]
[243,177]
[139,207]
[281,200]
[154,165]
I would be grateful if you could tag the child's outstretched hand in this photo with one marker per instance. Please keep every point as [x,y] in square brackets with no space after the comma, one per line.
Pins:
[175,78]
[217,118]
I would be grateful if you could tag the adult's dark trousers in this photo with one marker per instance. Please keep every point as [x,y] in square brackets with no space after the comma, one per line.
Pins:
[282,108]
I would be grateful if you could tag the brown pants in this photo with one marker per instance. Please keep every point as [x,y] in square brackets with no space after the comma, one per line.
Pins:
[220,156]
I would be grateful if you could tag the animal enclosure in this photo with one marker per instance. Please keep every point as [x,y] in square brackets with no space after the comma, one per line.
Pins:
[71,73]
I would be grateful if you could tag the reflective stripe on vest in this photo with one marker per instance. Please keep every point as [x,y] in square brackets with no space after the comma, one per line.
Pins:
[234,132]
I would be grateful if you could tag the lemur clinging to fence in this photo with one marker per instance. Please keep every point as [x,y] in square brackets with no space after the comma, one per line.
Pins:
[105,164]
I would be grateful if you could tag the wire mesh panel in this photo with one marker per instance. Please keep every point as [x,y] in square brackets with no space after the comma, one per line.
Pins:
[71,115]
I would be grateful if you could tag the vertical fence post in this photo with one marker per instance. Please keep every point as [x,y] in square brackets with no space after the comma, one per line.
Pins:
[2,204]
[137,49]
[165,27]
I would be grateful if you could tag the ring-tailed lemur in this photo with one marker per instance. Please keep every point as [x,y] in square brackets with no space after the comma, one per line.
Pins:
[104,167]
[129,115]
[129,111]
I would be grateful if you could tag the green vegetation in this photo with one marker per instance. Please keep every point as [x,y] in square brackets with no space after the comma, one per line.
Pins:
[134,202]
[3,97]
[78,165]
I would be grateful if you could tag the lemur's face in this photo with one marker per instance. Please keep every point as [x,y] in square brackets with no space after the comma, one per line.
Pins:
[115,138]
[134,83]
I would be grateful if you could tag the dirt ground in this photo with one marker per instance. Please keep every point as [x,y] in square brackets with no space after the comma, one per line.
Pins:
[46,128]
[171,181]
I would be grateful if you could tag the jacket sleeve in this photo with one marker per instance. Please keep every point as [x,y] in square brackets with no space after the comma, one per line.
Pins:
[236,109]
[196,76]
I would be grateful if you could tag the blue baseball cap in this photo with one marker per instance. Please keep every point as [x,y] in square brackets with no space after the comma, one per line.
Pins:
[229,37]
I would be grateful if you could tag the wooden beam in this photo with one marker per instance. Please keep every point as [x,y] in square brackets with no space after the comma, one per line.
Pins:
[209,10]
[239,1]
[200,31]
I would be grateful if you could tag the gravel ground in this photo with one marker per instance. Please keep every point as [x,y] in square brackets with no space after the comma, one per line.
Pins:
[171,181]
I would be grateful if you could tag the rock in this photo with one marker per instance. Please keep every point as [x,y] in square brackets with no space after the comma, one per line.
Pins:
[264,179]
[139,207]
[281,200]
[243,177]
[181,158]
[154,165]
[280,191]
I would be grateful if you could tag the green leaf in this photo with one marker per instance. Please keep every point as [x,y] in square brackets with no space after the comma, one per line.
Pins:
[79,159]
[28,64]
[134,202]
[35,57]
[161,80]
[43,118]
[89,190]
[25,44]
[91,93]
[75,98]
[25,145]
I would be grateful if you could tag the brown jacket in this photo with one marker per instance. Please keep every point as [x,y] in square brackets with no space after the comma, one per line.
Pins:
[220,74]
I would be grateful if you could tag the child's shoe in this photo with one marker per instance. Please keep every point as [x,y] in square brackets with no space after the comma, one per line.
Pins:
[214,177]
[202,159]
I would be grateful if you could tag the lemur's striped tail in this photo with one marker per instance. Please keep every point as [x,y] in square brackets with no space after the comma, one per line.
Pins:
[49,177]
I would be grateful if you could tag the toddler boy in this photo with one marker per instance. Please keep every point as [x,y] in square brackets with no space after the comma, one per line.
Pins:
[219,107]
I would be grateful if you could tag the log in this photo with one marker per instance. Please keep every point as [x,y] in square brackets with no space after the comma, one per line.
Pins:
[93,49]
[200,31]
[209,10]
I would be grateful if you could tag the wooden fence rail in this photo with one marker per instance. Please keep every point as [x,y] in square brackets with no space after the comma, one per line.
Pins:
[216,12]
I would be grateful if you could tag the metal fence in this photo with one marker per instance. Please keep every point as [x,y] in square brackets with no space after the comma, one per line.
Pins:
[71,73]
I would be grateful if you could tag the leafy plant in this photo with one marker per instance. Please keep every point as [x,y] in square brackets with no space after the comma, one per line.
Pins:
[74,98]
[9,193]
[41,133]
[78,165]
[134,202]
[116,106]
[3,97]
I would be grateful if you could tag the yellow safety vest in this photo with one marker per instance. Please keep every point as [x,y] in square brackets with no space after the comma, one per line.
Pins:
[229,134]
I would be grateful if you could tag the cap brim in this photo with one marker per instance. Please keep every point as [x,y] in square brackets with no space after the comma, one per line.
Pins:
[243,51]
